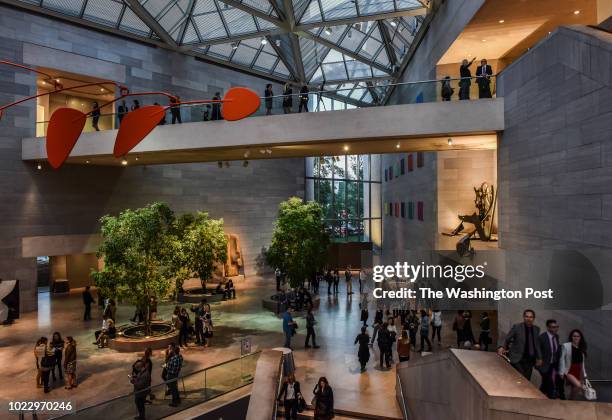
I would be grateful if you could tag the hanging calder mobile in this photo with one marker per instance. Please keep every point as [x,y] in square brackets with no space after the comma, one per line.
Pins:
[66,124]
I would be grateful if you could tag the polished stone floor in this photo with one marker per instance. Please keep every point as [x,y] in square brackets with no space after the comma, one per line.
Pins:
[102,373]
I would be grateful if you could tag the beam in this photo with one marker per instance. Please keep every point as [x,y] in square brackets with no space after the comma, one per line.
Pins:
[386,38]
[364,18]
[344,51]
[258,13]
[281,56]
[231,39]
[150,21]
[297,58]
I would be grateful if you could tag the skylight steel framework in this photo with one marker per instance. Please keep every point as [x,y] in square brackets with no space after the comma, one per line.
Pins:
[322,43]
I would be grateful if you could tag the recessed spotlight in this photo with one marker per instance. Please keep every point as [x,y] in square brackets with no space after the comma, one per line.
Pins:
[328,30]
[39,166]
[576,12]
[450,142]
[247,154]
[484,40]
[393,23]
[43,83]
[87,162]
[264,41]
[262,151]
[397,146]
[124,162]
[101,89]
[57,80]
[269,151]
[137,158]
[346,148]
[501,21]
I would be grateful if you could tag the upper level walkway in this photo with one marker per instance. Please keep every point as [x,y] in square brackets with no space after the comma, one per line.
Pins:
[382,129]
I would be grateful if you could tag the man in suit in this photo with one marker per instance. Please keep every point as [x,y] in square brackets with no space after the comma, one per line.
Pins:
[521,345]
[552,385]
[483,74]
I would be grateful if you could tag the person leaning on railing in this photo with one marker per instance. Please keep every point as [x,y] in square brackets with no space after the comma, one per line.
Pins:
[173,369]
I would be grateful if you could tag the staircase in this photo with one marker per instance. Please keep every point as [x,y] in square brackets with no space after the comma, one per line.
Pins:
[308,414]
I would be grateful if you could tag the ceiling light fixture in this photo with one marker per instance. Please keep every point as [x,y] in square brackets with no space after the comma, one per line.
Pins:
[57,80]
[484,40]
[124,162]
[262,151]
[393,23]
[501,21]
[397,146]
[269,151]
[576,12]
[87,162]
[278,42]
[247,154]
[450,142]
[328,30]
[264,41]
[39,166]
[234,45]
[346,148]
[137,158]
[43,83]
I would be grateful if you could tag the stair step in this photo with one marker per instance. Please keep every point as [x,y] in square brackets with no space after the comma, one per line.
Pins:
[308,414]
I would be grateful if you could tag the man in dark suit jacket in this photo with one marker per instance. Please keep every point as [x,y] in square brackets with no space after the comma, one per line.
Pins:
[483,74]
[521,345]
[552,385]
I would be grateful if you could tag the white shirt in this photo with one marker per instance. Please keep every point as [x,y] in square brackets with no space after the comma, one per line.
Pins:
[437,319]
[290,391]
[105,324]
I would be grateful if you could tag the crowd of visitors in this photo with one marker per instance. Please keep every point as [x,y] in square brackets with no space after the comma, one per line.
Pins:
[53,355]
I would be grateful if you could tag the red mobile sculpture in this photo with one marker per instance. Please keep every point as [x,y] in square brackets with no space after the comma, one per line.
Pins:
[66,124]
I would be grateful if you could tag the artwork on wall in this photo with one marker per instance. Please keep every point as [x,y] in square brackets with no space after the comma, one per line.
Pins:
[66,124]
[420,159]
[402,167]
[410,163]
[420,210]
[411,210]
[403,210]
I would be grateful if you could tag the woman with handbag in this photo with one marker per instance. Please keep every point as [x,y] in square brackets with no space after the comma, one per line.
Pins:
[323,401]
[290,394]
[572,366]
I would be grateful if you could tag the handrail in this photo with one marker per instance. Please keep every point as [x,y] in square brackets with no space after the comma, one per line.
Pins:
[403,401]
[278,388]
[334,91]
[182,377]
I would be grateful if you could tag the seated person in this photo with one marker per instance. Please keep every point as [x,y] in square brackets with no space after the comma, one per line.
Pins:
[306,297]
[105,334]
[230,290]
[105,319]
[219,289]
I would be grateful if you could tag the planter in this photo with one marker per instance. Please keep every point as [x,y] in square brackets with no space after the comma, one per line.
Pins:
[196,296]
[131,338]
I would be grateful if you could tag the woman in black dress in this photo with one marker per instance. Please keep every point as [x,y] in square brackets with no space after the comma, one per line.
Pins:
[324,400]
[364,349]
[269,94]
[287,99]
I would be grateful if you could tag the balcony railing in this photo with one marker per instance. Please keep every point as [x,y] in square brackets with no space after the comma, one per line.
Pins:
[194,388]
[325,100]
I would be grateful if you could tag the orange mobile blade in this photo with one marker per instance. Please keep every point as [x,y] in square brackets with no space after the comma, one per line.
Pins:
[65,127]
[241,102]
[135,126]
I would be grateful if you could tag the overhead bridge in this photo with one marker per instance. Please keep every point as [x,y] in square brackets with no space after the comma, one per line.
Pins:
[385,129]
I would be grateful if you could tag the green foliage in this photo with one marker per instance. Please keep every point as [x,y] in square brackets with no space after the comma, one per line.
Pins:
[299,242]
[204,243]
[144,250]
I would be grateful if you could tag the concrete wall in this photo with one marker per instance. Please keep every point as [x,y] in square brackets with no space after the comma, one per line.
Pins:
[70,201]
[555,176]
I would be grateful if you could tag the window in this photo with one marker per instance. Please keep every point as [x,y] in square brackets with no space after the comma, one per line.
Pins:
[348,190]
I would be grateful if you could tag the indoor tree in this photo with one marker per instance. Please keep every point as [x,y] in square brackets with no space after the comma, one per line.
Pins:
[299,242]
[204,243]
[138,248]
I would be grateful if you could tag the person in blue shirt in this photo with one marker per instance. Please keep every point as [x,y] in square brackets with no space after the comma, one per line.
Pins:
[289,327]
